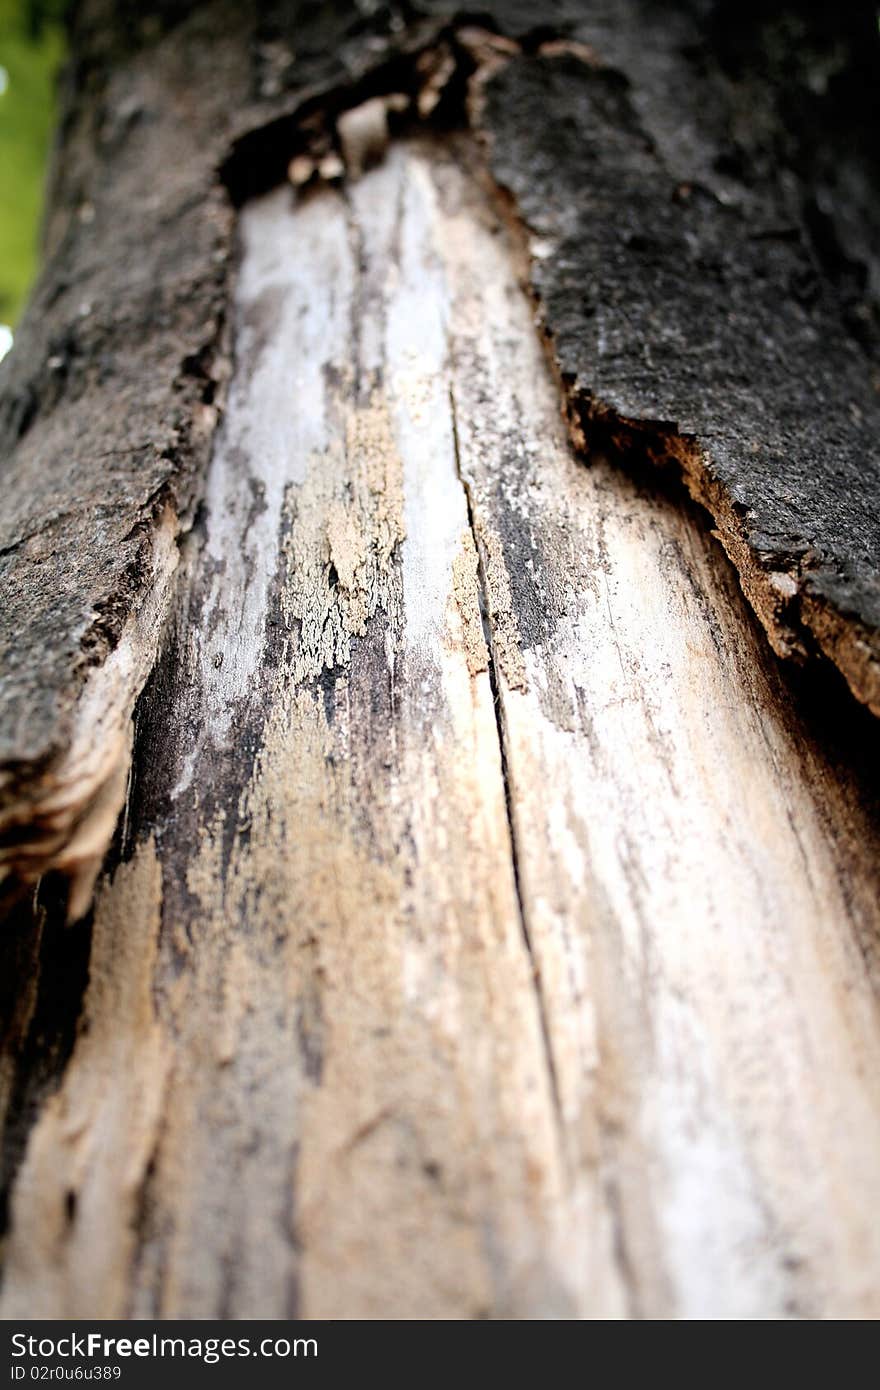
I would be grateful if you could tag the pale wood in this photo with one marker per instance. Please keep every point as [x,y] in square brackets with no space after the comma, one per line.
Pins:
[494,938]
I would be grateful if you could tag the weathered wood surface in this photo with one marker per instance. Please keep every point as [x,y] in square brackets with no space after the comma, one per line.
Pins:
[493,935]
[689,307]
[696,186]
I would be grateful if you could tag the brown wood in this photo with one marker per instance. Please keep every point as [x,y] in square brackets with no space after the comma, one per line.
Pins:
[704,272]
[493,933]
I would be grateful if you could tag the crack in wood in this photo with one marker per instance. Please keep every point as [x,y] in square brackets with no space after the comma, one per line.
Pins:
[812,585]
[459,982]
[485,604]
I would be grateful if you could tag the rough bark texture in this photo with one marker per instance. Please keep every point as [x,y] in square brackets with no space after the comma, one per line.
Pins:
[491,936]
[489,928]
[690,304]
[698,211]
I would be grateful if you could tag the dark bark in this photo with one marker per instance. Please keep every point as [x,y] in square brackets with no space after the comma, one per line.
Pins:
[703,184]
[492,925]
[706,281]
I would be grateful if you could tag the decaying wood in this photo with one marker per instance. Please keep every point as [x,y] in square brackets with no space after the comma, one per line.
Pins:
[694,191]
[492,933]
[688,308]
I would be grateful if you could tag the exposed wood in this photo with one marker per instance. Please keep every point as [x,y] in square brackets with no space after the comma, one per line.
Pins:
[696,189]
[493,934]
[689,308]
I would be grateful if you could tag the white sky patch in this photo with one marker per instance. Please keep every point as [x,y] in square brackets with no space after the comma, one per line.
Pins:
[5,340]
[4,79]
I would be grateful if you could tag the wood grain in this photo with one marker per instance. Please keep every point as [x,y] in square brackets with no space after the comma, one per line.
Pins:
[705,269]
[492,935]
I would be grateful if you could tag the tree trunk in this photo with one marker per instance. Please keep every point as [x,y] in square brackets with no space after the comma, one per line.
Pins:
[470,914]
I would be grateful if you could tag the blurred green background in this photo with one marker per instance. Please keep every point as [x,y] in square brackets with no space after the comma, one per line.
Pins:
[31,46]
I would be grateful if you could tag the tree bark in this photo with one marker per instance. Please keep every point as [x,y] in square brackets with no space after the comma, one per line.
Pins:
[490,921]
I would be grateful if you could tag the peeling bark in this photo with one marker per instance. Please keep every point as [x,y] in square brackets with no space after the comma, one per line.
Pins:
[436,975]
[491,926]
[687,315]
[705,265]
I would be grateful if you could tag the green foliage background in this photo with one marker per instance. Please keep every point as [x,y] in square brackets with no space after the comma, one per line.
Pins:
[31,46]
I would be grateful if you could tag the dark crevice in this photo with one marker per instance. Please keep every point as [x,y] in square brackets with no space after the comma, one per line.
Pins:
[259,159]
[37,942]
[622,1256]
[634,445]
[484,597]
[682,464]
[678,459]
